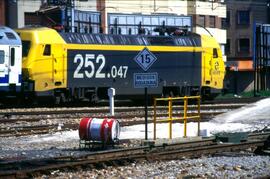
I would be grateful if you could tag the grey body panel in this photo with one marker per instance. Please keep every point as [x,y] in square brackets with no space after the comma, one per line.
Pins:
[173,68]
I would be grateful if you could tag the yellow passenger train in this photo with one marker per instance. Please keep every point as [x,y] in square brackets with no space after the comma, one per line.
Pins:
[72,66]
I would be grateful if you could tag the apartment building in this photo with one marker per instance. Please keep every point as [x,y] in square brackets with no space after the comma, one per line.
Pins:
[122,16]
[240,23]
[241,17]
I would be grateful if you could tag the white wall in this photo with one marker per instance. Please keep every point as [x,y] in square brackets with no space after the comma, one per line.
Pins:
[211,9]
[86,6]
[26,6]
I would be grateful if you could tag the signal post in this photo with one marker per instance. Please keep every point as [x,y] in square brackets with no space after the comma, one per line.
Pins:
[145,80]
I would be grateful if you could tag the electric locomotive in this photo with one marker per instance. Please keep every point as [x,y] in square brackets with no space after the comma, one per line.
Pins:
[10,63]
[76,66]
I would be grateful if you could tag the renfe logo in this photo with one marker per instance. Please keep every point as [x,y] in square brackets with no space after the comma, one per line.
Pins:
[145,59]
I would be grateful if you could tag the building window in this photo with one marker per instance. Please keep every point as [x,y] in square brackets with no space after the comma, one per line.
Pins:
[145,24]
[32,19]
[86,22]
[243,45]
[212,21]
[201,20]
[243,17]
[225,22]
[228,47]
[228,17]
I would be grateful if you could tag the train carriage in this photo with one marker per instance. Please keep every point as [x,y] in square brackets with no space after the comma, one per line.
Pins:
[10,63]
[71,66]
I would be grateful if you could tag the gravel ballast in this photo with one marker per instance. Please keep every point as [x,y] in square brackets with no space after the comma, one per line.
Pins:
[38,146]
[213,167]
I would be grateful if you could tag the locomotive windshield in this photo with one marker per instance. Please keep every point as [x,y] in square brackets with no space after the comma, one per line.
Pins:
[25,47]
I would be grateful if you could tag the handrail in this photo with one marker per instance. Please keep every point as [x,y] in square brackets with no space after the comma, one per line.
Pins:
[170,118]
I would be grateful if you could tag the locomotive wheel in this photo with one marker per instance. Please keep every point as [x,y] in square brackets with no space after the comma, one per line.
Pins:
[57,100]
[60,99]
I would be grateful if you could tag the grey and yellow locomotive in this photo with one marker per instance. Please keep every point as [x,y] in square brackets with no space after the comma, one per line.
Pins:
[71,66]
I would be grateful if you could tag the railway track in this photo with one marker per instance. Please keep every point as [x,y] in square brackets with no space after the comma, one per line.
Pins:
[19,122]
[30,168]
[12,113]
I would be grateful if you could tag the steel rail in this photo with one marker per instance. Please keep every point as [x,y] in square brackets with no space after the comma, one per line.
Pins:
[42,129]
[45,111]
[160,152]
[125,115]
[117,116]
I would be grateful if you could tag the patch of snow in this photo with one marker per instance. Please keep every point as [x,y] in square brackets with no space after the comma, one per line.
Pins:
[252,113]
[249,118]
[56,137]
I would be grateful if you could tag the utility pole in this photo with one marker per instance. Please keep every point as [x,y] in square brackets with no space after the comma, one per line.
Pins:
[268,7]
[72,4]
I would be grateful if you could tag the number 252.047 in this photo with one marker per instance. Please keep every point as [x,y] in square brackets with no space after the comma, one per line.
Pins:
[87,67]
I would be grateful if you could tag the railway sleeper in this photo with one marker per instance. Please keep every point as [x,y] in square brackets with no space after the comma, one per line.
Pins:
[265,149]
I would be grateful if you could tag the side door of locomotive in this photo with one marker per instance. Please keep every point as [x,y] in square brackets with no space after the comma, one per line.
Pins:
[207,69]
[59,64]
[14,64]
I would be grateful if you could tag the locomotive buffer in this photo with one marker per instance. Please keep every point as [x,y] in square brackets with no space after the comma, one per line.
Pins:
[145,80]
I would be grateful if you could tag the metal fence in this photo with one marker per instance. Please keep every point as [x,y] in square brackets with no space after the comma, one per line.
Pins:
[184,117]
[261,57]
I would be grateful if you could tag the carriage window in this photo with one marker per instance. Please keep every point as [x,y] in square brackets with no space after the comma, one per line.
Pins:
[12,56]
[215,53]
[47,50]
[25,48]
[10,35]
[2,56]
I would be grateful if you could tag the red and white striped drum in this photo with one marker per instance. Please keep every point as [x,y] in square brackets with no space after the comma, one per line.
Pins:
[102,130]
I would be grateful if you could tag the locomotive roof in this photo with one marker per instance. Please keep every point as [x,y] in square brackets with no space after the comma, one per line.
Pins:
[8,36]
[190,39]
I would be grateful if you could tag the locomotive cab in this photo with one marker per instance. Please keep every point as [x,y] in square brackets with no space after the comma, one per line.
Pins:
[43,62]
[213,68]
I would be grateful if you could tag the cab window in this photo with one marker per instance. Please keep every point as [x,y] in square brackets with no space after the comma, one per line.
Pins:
[47,50]
[25,48]
[2,56]
[215,53]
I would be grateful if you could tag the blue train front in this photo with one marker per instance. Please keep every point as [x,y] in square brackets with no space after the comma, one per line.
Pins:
[10,63]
